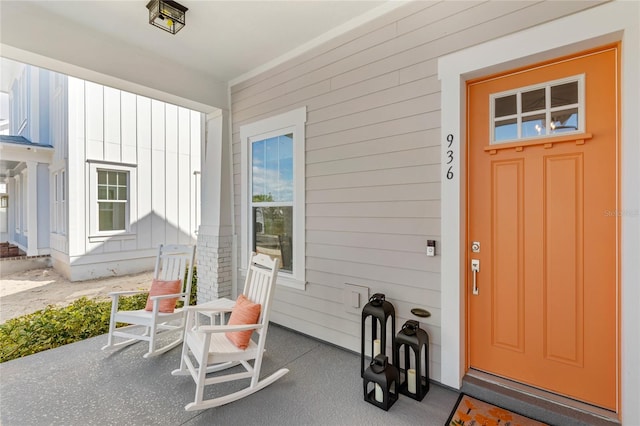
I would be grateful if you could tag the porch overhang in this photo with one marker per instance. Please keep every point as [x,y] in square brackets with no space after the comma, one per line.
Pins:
[17,149]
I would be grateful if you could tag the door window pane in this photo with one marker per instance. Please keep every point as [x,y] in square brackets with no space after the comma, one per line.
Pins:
[564,94]
[506,129]
[564,121]
[506,105]
[533,100]
[533,126]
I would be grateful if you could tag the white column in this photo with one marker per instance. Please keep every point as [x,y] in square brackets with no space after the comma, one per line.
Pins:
[31,204]
[215,232]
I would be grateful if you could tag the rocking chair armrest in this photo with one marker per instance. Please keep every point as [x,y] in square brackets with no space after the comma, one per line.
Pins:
[126,293]
[166,296]
[227,328]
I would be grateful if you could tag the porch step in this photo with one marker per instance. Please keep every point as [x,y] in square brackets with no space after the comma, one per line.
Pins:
[9,250]
[539,405]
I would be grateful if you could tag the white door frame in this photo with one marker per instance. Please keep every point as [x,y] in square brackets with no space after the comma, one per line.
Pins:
[611,22]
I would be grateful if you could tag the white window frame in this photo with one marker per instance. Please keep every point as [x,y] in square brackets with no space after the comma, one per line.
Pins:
[95,235]
[289,122]
[547,85]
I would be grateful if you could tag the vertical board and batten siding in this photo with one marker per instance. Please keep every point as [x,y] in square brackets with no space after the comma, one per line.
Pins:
[160,141]
[373,157]
[58,113]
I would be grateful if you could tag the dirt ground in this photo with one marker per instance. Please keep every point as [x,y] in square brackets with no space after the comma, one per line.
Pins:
[26,292]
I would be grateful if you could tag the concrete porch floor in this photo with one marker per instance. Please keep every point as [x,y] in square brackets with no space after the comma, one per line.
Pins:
[78,384]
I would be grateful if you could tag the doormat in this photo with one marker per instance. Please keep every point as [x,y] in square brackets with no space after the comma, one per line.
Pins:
[470,411]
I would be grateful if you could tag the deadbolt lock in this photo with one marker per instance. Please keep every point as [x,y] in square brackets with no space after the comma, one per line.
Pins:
[475,246]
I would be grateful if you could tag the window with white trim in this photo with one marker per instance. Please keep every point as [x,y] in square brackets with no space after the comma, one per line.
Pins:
[537,111]
[113,201]
[112,198]
[273,203]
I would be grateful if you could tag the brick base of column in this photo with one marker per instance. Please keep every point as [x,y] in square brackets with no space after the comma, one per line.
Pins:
[214,267]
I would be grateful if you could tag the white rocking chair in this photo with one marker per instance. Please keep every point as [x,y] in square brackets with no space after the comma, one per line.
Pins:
[174,262]
[206,348]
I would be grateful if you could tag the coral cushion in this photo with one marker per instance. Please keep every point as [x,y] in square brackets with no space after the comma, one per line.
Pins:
[160,288]
[244,312]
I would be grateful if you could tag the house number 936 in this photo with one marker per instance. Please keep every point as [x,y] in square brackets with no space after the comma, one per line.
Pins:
[449,156]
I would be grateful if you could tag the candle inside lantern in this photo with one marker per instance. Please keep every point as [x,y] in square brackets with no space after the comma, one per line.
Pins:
[376,347]
[411,380]
[379,396]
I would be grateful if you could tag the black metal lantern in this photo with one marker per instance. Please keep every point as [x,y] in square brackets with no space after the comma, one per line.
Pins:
[379,310]
[167,15]
[380,383]
[414,342]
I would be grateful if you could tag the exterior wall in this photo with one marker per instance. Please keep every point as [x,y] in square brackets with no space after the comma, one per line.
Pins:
[159,144]
[373,157]
[29,117]
[58,119]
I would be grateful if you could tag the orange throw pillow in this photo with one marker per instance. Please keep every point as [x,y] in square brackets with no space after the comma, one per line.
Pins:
[160,288]
[244,312]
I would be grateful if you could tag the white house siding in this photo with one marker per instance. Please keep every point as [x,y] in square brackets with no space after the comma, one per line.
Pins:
[58,119]
[161,142]
[373,157]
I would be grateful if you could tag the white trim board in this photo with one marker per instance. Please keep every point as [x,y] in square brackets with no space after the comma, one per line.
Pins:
[611,22]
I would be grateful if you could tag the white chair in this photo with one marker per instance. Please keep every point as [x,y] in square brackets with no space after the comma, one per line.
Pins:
[206,348]
[174,262]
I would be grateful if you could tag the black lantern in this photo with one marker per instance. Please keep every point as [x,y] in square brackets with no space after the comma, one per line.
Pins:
[167,15]
[379,310]
[380,383]
[414,341]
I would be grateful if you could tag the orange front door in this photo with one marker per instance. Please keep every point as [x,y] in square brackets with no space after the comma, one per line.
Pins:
[542,203]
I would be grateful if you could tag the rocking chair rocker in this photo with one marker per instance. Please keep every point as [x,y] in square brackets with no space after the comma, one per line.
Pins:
[213,348]
[162,317]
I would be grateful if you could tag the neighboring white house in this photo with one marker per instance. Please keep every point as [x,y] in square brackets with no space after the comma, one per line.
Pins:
[97,177]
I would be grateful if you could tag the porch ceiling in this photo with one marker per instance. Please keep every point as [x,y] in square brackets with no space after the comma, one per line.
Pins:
[221,41]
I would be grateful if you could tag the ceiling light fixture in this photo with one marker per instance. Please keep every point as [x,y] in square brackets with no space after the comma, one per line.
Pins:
[167,15]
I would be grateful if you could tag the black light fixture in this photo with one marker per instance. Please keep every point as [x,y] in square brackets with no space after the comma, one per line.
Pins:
[167,15]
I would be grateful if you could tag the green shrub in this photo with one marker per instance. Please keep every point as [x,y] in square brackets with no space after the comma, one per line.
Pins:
[56,326]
